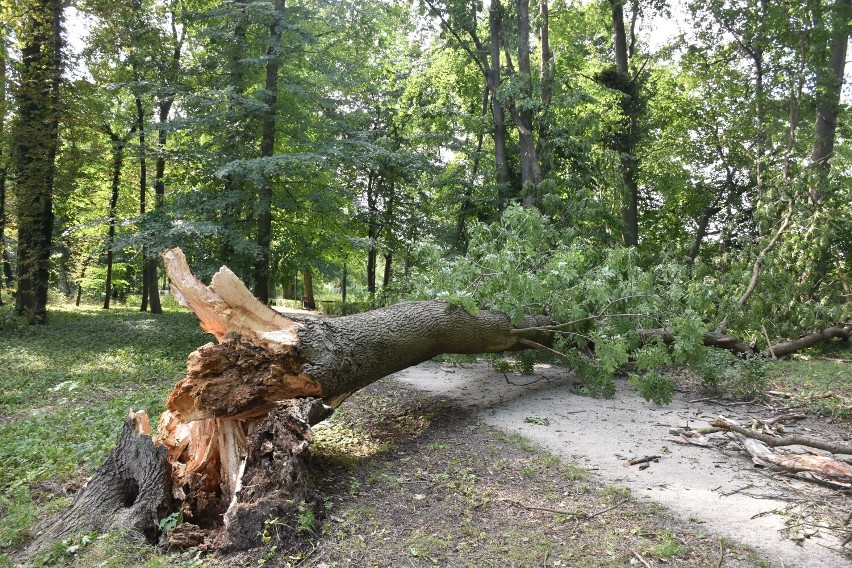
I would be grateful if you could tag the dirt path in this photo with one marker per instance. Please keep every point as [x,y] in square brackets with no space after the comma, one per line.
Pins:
[717,487]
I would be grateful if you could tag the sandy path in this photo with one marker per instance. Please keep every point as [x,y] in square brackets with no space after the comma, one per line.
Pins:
[717,487]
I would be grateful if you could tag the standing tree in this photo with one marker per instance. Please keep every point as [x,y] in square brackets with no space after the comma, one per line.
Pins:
[831,63]
[4,162]
[267,150]
[35,137]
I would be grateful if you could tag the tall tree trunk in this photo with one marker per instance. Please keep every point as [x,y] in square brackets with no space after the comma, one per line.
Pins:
[143,196]
[234,137]
[626,143]
[793,122]
[501,163]
[3,161]
[523,118]
[372,231]
[701,230]
[547,72]
[308,281]
[82,277]
[829,85]
[343,289]
[159,199]
[387,274]
[3,226]
[267,149]
[118,145]
[35,141]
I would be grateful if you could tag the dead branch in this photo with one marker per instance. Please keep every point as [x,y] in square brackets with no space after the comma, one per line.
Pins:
[637,461]
[776,441]
[785,348]
[758,262]
[828,468]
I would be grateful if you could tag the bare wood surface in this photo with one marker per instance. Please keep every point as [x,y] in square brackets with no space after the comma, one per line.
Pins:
[825,467]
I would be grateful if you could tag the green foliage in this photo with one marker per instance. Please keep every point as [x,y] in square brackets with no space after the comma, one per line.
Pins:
[168,524]
[306,519]
[654,387]
[741,378]
[524,264]
[19,512]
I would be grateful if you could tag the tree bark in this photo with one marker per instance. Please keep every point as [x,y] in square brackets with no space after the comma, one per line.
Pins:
[35,141]
[3,161]
[523,118]
[308,285]
[267,149]
[159,199]
[829,86]
[3,256]
[130,491]
[547,72]
[626,139]
[118,145]
[143,196]
[501,164]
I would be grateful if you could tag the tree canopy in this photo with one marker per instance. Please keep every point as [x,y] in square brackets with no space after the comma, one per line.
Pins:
[636,170]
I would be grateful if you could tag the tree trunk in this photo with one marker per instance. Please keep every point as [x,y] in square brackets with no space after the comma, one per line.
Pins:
[626,143]
[829,86]
[152,284]
[143,195]
[235,137]
[3,256]
[343,289]
[241,417]
[131,490]
[118,145]
[3,163]
[386,278]
[267,149]
[523,118]
[159,199]
[35,139]
[547,72]
[372,232]
[504,183]
[308,281]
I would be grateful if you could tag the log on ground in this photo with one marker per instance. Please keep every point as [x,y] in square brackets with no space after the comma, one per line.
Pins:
[234,440]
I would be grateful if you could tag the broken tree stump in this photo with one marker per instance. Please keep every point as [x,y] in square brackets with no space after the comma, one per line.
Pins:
[232,448]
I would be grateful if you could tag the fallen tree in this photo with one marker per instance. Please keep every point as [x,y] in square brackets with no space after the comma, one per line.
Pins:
[231,449]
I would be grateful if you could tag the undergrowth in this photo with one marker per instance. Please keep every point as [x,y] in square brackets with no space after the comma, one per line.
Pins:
[65,389]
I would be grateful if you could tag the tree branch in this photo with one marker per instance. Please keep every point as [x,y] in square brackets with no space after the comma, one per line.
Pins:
[777,441]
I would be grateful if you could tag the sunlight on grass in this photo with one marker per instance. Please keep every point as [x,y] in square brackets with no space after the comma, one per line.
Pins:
[65,389]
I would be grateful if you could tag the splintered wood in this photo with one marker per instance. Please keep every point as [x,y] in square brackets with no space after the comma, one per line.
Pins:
[757,445]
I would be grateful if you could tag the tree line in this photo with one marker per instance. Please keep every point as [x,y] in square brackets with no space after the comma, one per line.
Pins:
[552,157]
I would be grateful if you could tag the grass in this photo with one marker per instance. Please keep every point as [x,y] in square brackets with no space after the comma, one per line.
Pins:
[818,381]
[64,391]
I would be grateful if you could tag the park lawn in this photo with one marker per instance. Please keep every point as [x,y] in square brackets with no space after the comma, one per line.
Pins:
[64,390]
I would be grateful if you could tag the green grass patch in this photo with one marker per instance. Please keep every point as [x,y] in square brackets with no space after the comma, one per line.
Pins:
[65,389]
[822,383]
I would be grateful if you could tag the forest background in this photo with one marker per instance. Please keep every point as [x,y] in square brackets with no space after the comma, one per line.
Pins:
[556,158]
[651,194]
